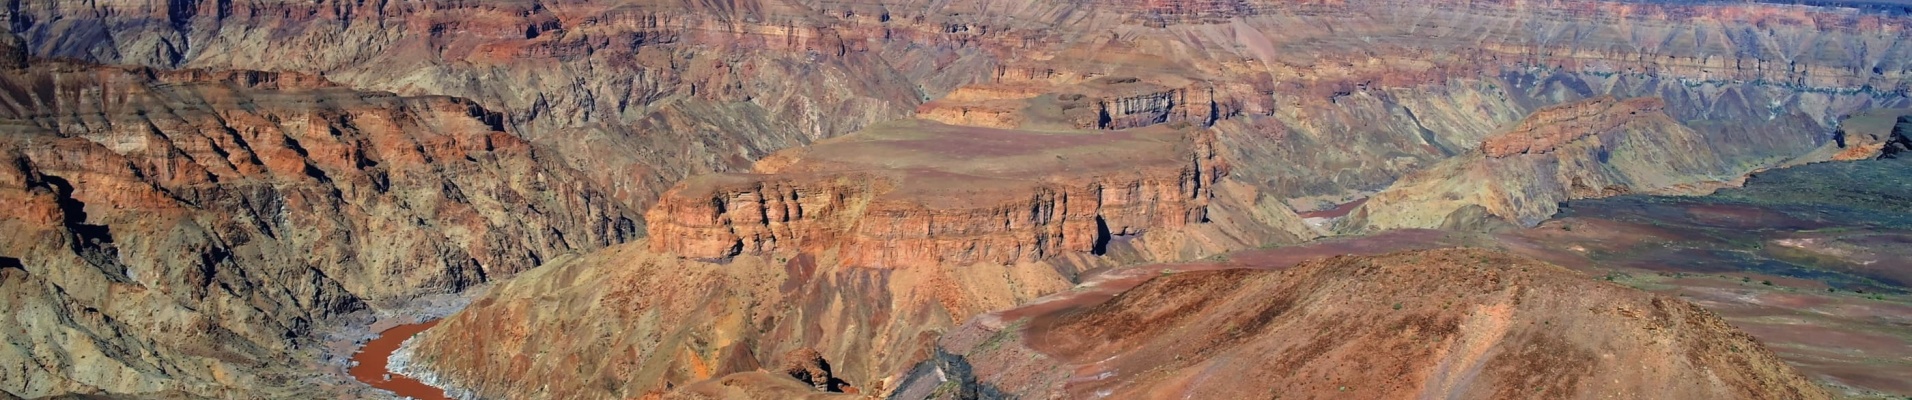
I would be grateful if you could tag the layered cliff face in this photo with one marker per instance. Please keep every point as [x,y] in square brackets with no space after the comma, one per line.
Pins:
[1309,103]
[862,247]
[1348,95]
[1460,322]
[1099,103]
[637,95]
[187,231]
[921,193]
[1595,148]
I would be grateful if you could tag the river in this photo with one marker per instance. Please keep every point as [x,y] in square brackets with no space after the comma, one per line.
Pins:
[372,362]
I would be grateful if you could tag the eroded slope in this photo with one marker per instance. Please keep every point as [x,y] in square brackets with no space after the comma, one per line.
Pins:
[1405,325]
[187,231]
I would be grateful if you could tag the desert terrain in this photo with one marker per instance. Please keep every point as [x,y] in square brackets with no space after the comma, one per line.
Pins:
[960,199]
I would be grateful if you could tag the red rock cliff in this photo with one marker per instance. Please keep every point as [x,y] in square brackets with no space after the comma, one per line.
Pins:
[921,217]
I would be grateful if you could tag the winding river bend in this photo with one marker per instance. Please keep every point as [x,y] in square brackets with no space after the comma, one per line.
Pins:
[373,364]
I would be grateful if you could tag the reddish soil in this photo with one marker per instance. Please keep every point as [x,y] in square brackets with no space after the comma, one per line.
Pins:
[1465,323]
[371,364]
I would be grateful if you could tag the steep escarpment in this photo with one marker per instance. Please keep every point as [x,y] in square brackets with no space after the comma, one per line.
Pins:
[918,193]
[1307,103]
[636,95]
[1595,148]
[862,247]
[1100,103]
[1350,96]
[187,231]
[1460,322]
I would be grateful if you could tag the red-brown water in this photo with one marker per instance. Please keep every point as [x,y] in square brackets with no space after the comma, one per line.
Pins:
[373,358]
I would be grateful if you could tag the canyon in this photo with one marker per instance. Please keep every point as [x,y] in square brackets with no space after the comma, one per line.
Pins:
[803,198]
[187,231]
[894,233]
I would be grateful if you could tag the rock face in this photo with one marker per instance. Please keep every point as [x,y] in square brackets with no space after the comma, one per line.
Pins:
[635,94]
[1899,143]
[1097,103]
[919,194]
[857,250]
[1556,126]
[1348,95]
[809,366]
[580,112]
[185,231]
[1453,322]
[1594,148]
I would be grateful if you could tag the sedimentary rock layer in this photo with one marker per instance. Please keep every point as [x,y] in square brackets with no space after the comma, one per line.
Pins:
[186,231]
[862,247]
[1555,126]
[1349,95]
[1312,102]
[918,193]
[1593,148]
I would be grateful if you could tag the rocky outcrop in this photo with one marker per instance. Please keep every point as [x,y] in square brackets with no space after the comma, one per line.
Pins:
[1900,143]
[1619,147]
[1099,103]
[1460,322]
[186,232]
[962,197]
[1315,101]
[809,366]
[1047,220]
[857,250]
[1556,126]
[1349,95]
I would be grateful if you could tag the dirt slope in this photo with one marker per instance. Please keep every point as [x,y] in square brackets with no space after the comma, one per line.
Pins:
[1454,322]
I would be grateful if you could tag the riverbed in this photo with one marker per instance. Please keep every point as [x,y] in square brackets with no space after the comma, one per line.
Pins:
[371,364]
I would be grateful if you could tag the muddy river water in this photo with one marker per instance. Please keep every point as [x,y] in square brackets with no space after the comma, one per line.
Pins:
[372,362]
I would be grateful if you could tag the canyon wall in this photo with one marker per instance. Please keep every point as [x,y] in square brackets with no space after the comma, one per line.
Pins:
[819,249]
[876,228]
[186,231]
[635,95]
[922,193]
[258,204]
[1347,95]
[1594,148]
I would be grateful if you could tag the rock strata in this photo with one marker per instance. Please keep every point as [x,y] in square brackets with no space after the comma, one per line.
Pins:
[1589,149]
[918,194]
[857,250]
[1349,95]
[1555,126]
[185,232]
